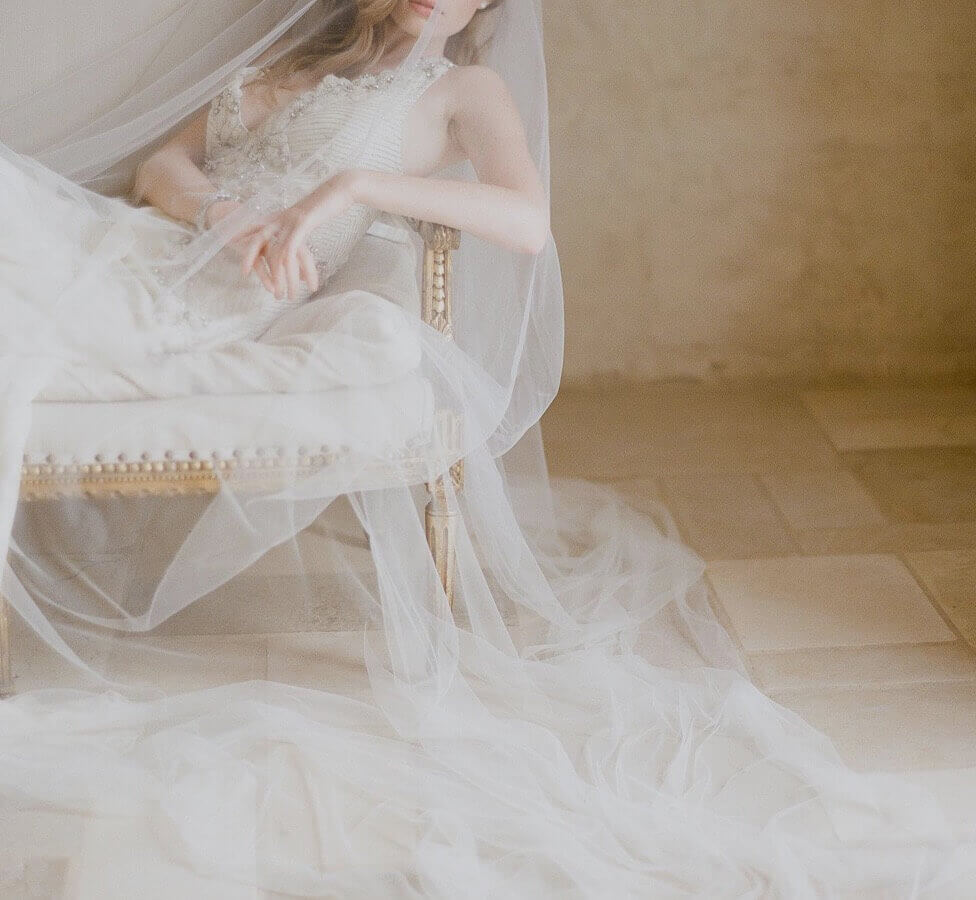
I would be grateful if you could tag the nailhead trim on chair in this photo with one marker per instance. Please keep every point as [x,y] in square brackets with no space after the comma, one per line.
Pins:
[196,474]
[168,465]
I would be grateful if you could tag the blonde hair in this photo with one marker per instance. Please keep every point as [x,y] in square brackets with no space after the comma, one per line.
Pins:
[358,36]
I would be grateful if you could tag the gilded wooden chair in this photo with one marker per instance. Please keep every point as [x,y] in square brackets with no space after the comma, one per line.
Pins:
[202,470]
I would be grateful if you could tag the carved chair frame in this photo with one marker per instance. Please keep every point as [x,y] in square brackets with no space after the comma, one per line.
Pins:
[194,475]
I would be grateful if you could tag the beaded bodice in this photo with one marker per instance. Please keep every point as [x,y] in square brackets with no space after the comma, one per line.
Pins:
[339,123]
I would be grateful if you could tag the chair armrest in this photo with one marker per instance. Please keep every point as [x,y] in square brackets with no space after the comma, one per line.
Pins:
[439,241]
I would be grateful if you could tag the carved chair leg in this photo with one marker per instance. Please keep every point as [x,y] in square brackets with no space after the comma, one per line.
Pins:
[6,677]
[441,526]
[440,521]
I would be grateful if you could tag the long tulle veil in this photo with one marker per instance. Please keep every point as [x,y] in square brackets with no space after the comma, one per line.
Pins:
[578,725]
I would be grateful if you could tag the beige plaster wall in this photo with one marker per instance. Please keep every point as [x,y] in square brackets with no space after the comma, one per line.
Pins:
[749,188]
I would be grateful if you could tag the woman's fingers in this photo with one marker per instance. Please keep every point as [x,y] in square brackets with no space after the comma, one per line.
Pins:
[264,273]
[252,258]
[251,252]
[288,260]
[265,235]
[280,278]
[279,243]
[307,263]
[292,271]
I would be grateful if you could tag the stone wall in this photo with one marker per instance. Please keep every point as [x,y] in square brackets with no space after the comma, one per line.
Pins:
[753,188]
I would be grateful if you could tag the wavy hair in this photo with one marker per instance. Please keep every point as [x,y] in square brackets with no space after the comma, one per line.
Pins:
[359,34]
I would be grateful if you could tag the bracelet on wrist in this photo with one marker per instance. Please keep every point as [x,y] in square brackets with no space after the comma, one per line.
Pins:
[208,201]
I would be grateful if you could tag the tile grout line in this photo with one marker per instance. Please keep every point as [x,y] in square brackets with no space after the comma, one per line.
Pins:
[894,644]
[669,501]
[720,613]
[903,558]
[760,480]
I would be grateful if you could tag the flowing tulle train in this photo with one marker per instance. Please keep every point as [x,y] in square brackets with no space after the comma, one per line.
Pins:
[586,749]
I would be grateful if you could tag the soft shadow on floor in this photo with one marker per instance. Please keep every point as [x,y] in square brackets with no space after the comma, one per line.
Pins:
[839,529]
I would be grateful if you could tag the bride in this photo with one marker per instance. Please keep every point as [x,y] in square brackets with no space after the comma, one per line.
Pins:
[250,139]
[234,222]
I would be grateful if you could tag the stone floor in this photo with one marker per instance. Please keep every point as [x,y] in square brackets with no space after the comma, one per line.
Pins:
[839,531]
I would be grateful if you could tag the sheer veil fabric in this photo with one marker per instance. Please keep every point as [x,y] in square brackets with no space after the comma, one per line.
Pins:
[580,725]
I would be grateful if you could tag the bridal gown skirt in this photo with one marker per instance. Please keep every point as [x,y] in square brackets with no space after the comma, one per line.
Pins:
[89,296]
[585,730]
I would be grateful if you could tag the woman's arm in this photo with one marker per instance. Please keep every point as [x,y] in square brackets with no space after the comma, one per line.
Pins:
[502,215]
[171,179]
[480,122]
[507,206]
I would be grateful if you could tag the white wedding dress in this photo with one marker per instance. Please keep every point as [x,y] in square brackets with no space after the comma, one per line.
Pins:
[580,746]
[214,333]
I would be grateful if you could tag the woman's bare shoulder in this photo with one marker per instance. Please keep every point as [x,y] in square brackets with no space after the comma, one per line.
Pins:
[461,94]
[474,84]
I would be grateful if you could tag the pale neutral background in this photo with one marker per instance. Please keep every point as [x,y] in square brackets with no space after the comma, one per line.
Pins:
[753,188]
[742,188]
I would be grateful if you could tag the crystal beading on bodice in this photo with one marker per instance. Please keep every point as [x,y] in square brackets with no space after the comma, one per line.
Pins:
[338,123]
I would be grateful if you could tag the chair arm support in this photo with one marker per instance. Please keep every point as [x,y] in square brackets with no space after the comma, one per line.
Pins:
[436,311]
[439,241]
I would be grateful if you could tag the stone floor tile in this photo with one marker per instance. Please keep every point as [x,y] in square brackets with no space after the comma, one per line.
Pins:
[654,429]
[928,484]
[887,664]
[174,663]
[829,601]
[727,516]
[878,417]
[190,662]
[950,576]
[638,490]
[891,538]
[832,498]
[329,661]
[250,603]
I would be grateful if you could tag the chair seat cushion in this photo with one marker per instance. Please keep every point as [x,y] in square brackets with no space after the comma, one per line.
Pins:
[378,420]
[391,409]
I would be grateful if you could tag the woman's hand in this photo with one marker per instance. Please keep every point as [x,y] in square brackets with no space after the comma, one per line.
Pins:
[240,242]
[281,240]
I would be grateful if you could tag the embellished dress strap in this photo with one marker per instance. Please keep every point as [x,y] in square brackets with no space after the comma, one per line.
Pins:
[425,73]
[224,123]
